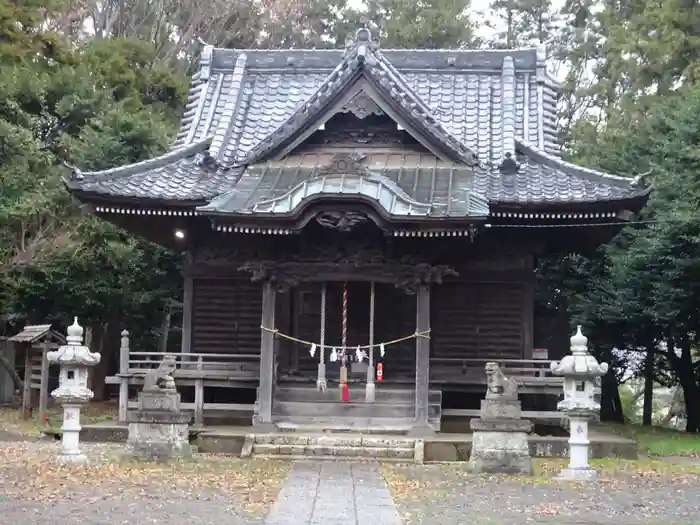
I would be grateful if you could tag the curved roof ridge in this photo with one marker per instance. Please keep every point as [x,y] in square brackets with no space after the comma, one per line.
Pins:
[144,165]
[545,158]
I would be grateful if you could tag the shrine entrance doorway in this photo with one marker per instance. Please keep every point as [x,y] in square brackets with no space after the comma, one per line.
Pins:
[354,314]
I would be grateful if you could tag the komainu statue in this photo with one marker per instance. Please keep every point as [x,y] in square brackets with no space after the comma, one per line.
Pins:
[161,378]
[498,386]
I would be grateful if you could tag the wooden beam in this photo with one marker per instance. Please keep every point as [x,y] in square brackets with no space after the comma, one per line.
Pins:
[44,382]
[267,357]
[27,393]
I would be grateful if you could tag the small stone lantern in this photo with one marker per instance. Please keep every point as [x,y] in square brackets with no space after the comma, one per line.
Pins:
[580,370]
[74,359]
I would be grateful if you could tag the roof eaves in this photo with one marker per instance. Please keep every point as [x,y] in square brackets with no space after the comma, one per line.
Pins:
[79,177]
[634,183]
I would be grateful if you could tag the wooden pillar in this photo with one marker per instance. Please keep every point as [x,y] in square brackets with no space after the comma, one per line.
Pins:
[199,394]
[267,357]
[420,425]
[27,392]
[187,298]
[124,376]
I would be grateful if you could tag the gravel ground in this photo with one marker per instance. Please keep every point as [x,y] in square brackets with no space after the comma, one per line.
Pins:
[641,493]
[110,490]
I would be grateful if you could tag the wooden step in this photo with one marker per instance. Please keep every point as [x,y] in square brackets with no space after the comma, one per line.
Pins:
[286,392]
[341,409]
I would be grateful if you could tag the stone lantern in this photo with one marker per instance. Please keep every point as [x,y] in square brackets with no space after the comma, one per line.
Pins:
[580,371]
[74,360]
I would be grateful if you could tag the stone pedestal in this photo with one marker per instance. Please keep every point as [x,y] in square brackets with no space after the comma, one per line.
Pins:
[499,442]
[158,430]
[578,468]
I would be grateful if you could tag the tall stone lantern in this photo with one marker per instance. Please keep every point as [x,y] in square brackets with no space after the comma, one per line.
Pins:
[580,369]
[74,359]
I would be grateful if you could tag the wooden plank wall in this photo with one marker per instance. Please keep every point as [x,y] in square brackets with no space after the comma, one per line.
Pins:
[479,319]
[468,319]
[226,316]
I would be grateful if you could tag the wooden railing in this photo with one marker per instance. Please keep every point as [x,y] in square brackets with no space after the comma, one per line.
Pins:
[192,369]
[532,375]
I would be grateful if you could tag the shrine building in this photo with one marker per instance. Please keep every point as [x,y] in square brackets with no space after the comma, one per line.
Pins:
[361,227]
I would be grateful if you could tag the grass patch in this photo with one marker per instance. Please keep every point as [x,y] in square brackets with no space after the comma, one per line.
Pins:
[660,441]
[12,420]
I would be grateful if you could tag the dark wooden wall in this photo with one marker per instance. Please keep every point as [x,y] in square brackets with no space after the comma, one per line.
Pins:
[226,316]
[479,320]
[468,319]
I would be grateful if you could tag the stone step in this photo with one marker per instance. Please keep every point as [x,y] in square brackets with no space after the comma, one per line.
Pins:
[357,392]
[347,440]
[333,451]
[349,409]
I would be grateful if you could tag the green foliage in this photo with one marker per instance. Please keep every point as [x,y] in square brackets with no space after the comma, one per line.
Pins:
[102,104]
[418,24]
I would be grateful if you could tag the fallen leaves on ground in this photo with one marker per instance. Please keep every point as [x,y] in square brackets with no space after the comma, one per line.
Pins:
[30,472]
[411,482]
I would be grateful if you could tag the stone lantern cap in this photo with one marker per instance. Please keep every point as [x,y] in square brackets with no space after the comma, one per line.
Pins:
[74,352]
[580,363]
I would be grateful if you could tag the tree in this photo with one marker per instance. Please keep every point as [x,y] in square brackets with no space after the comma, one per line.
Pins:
[97,104]
[416,24]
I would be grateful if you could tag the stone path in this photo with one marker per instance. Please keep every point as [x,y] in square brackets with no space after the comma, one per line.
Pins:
[334,493]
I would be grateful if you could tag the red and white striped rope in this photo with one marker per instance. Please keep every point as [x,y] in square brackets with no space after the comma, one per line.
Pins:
[345,315]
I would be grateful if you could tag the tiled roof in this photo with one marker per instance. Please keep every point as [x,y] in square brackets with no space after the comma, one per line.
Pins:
[362,60]
[242,96]
[179,175]
[435,188]
[490,103]
[541,179]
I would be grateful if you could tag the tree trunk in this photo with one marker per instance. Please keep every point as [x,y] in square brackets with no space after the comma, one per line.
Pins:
[99,372]
[610,403]
[648,386]
[686,377]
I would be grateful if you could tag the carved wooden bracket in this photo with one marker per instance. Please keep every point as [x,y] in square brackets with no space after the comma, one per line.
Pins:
[287,275]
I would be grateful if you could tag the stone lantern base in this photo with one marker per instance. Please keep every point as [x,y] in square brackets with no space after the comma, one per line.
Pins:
[158,431]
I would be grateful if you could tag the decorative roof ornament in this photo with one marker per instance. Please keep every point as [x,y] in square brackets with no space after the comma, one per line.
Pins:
[362,106]
[509,166]
[345,163]
[75,173]
[206,161]
[361,44]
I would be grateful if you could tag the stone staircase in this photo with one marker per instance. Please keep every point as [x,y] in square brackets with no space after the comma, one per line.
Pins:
[304,409]
[334,447]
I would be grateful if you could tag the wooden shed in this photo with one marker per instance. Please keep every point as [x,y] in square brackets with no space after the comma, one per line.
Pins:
[31,346]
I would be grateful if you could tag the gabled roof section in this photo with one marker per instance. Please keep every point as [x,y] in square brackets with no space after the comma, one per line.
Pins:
[385,86]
